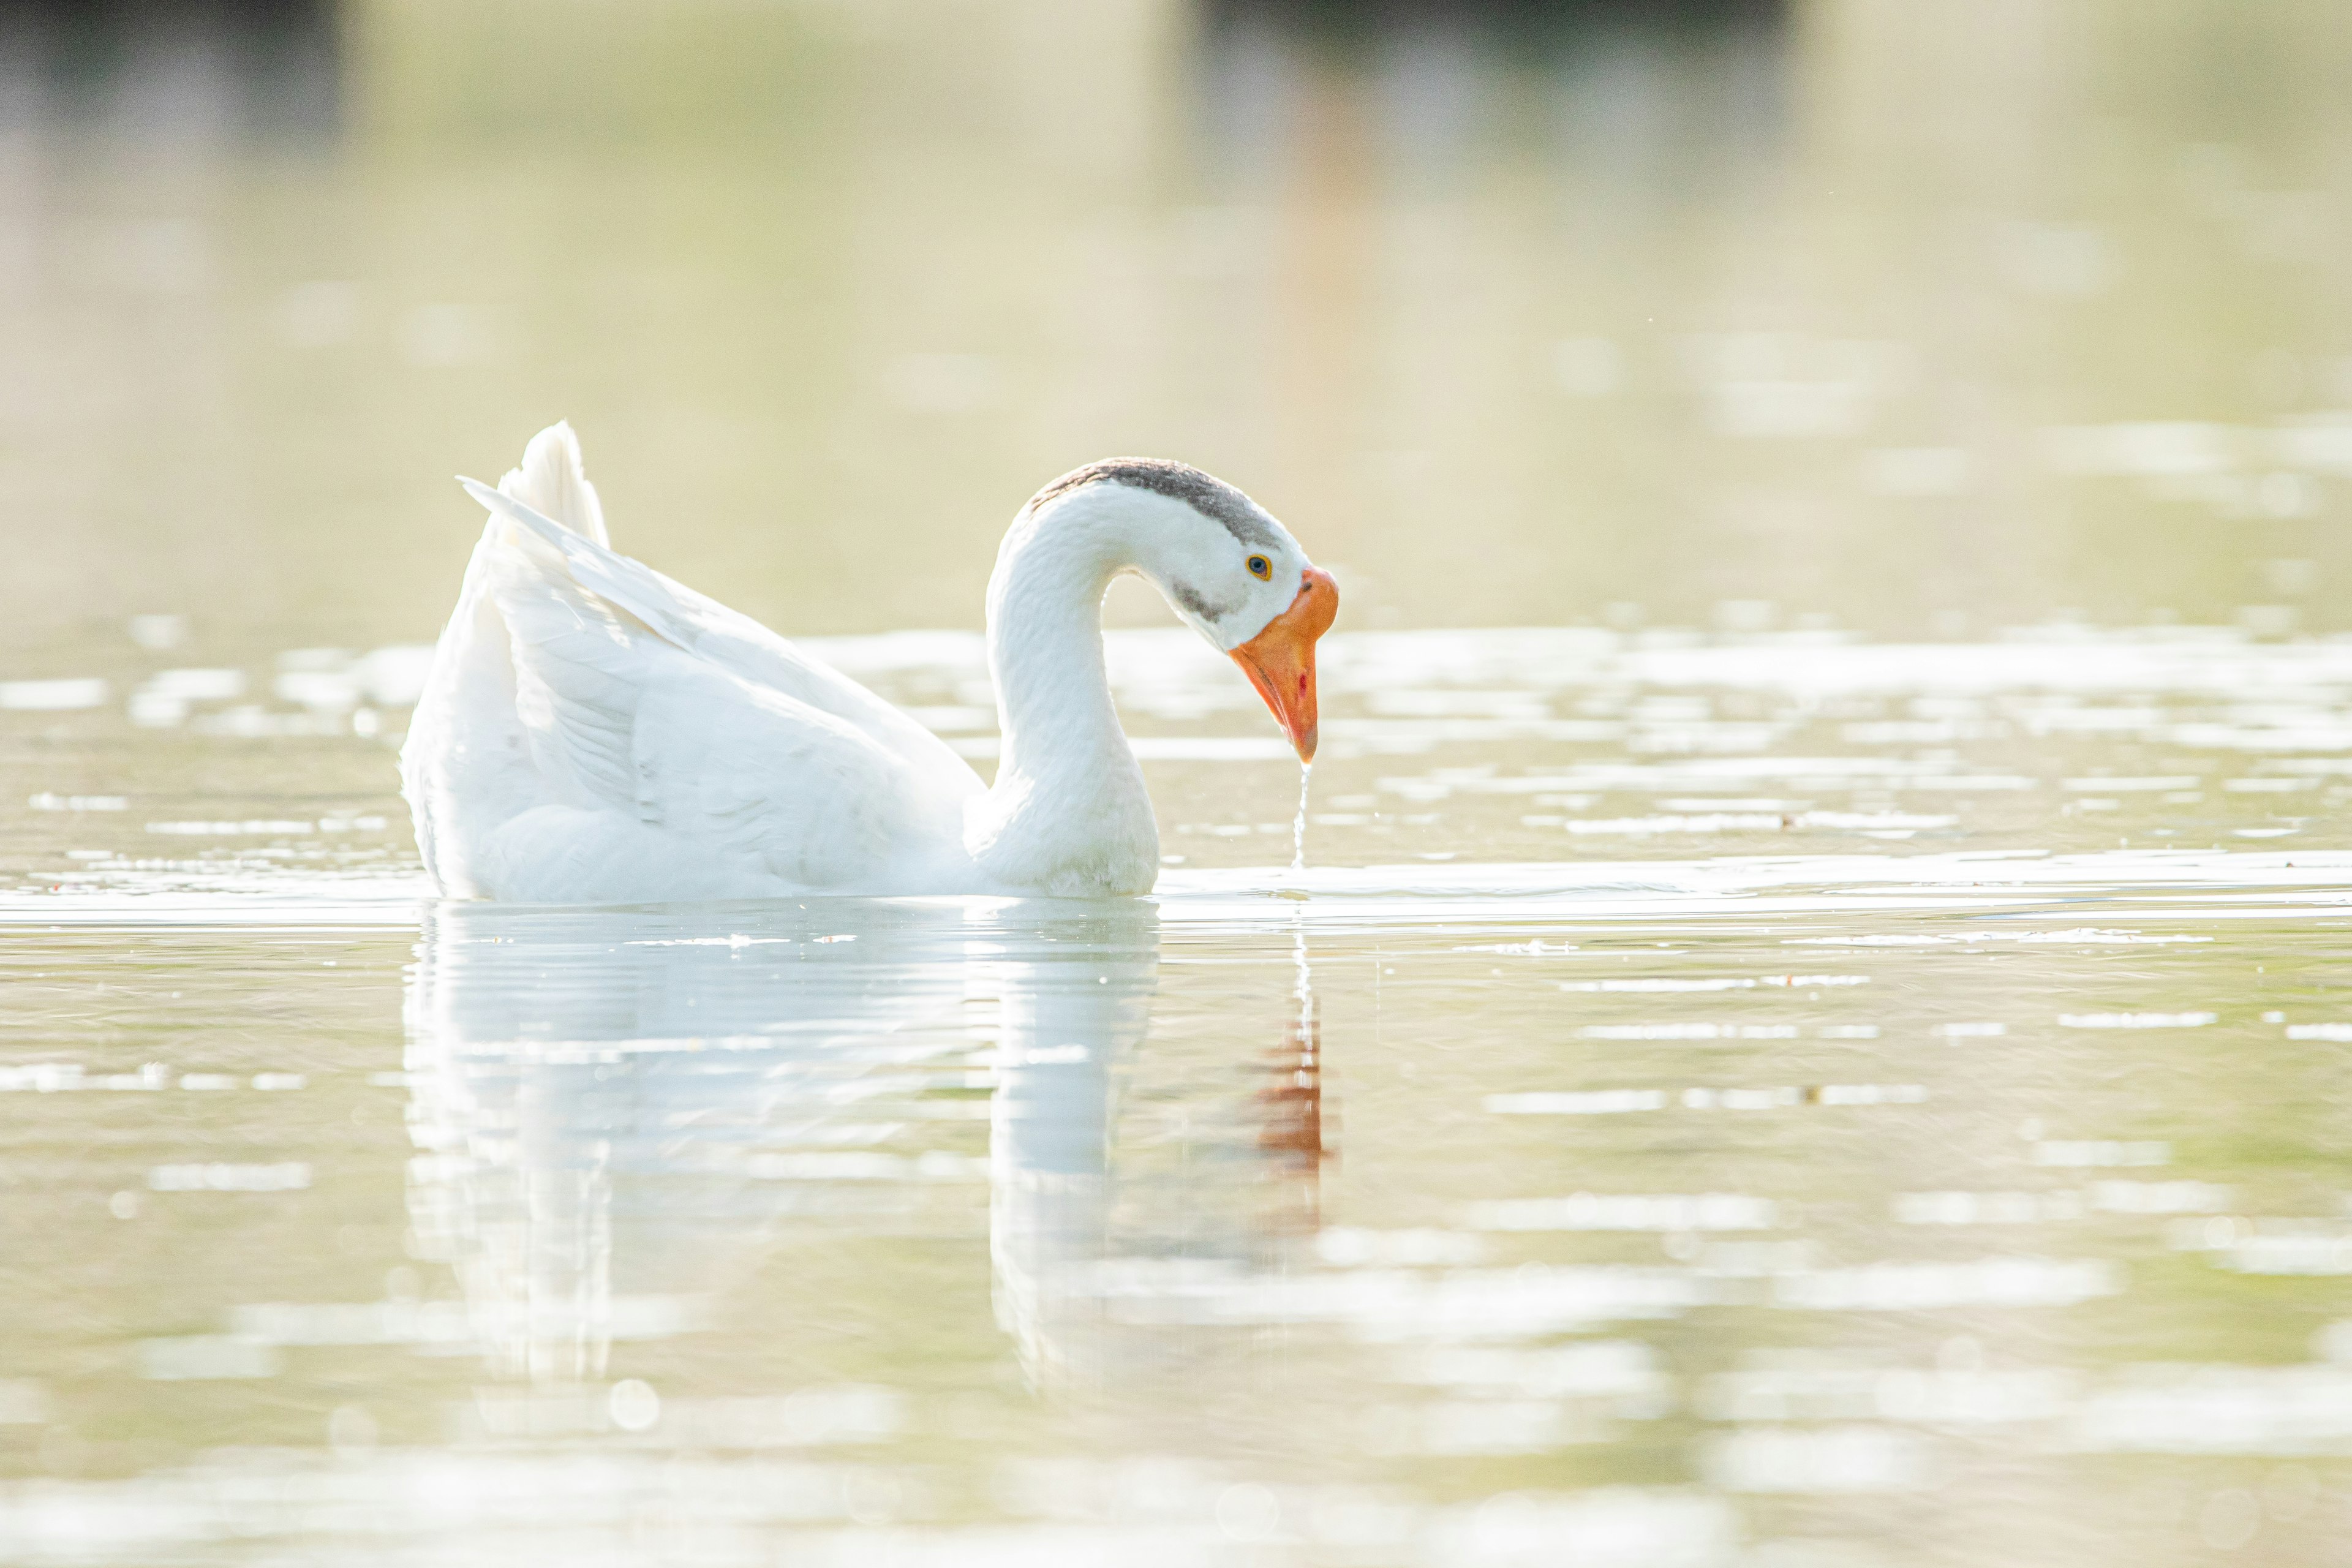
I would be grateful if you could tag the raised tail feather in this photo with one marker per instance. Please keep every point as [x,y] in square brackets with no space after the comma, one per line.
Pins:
[553,482]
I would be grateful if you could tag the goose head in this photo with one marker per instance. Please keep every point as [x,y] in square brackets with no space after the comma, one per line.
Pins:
[1226,566]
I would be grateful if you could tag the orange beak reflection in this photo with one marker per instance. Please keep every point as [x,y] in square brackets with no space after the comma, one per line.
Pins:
[1280,660]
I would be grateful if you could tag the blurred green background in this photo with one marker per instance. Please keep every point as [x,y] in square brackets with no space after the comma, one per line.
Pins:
[1919,319]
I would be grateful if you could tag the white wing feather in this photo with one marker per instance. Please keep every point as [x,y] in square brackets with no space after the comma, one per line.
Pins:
[734,641]
[594,732]
[552,479]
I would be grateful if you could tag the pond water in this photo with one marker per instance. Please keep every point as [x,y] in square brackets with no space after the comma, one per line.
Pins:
[1809,1030]
[1815,1086]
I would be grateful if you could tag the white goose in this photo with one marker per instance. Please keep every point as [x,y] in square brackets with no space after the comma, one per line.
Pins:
[593,733]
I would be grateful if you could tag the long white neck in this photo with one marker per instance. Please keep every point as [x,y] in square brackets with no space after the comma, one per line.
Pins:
[1068,812]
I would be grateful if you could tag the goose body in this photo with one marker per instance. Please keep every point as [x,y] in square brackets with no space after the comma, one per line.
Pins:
[592,732]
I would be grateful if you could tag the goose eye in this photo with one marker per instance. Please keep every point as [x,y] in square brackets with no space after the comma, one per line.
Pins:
[1261,568]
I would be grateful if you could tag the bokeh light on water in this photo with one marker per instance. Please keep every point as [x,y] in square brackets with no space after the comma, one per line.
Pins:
[1810,1031]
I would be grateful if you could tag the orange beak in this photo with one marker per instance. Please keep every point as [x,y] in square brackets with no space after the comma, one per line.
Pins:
[1280,660]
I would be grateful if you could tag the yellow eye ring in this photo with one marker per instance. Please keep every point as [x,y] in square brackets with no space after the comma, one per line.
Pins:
[1261,568]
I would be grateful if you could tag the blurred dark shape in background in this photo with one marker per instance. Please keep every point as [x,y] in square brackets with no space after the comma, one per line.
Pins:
[1518,25]
[1628,81]
[171,70]
[1905,320]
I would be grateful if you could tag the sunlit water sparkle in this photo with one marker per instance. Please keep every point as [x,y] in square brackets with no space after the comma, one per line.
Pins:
[1698,1200]
[1729,1092]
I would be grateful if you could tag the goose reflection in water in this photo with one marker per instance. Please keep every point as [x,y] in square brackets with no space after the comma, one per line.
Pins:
[622,1113]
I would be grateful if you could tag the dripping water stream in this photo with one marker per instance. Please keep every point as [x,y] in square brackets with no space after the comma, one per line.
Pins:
[1299,823]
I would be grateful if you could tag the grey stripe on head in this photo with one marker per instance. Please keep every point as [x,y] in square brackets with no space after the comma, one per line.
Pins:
[1193,599]
[1206,494]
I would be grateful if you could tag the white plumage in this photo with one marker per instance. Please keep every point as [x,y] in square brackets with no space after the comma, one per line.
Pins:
[593,733]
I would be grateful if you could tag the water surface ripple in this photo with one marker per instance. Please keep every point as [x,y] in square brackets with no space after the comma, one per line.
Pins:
[1700,1105]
